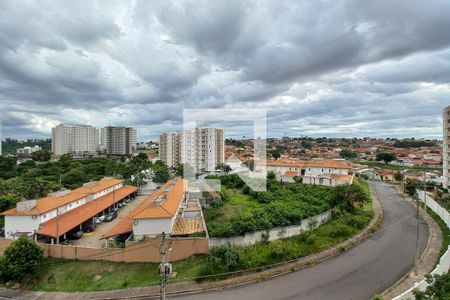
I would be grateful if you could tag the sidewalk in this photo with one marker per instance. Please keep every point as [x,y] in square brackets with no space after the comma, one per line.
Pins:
[428,259]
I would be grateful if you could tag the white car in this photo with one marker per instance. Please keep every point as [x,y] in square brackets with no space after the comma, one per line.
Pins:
[100,219]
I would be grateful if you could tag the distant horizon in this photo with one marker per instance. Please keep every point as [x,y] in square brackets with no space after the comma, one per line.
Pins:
[268,137]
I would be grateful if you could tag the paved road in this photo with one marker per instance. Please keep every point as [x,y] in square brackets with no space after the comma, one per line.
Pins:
[359,273]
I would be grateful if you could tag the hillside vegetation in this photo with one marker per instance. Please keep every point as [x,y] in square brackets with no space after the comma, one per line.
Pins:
[242,210]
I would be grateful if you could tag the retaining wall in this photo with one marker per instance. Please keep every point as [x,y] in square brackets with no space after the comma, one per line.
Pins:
[254,237]
[147,251]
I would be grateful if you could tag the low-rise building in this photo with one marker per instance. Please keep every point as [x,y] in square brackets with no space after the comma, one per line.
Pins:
[169,209]
[58,213]
[27,151]
[329,172]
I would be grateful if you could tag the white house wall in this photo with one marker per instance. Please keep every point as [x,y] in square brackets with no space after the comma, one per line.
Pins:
[152,226]
[21,224]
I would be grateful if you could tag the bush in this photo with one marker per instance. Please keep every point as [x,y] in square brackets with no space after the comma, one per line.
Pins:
[223,259]
[22,257]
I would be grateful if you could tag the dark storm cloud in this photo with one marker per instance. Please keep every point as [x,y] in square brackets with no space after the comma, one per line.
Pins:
[318,67]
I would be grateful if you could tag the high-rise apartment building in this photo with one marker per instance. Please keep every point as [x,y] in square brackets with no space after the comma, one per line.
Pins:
[118,140]
[78,139]
[202,148]
[169,148]
[446,150]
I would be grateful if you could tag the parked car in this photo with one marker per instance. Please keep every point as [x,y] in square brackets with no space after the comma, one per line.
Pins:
[74,234]
[90,227]
[111,216]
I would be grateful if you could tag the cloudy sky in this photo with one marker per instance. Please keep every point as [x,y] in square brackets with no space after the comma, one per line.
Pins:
[320,68]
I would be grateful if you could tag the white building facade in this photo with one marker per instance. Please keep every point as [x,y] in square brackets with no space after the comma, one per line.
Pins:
[202,148]
[78,139]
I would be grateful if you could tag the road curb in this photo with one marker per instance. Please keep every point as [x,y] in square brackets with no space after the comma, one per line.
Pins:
[428,219]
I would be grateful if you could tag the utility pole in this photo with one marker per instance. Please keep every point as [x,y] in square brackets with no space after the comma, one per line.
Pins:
[57,225]
[164,267]
[425,190]
[416,262]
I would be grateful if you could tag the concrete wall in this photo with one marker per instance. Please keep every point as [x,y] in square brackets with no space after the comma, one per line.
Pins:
[444,262]
[147,251]
[152,226]
[20,224]
[254,237]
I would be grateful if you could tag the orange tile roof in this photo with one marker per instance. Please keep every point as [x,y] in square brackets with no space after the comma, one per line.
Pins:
[47,204]
[341,177]
[126,224]
[77,216]
[187,226]
[98,186]
[320,163]
[52,202]
[291,173]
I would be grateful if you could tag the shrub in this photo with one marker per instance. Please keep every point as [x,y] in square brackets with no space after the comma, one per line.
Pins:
[223,259]
[22,257]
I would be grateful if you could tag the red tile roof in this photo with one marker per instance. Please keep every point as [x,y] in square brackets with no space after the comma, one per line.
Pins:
[77,216]
[52,202]
[147,210]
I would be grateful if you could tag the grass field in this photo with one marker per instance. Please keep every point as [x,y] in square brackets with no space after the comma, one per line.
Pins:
[75,275]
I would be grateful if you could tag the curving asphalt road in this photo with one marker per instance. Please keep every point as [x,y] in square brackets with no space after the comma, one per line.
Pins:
[364,270]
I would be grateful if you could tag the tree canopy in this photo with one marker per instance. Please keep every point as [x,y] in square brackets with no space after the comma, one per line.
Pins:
[23,257]
[386,157]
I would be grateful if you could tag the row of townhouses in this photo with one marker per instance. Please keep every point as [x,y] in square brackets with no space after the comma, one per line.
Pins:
[84,140]
[202,148]
[170,209]
[329,172]
[52,217]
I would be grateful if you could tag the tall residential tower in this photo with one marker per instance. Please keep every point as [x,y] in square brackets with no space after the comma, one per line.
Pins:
[78,139]
[446,150]
[119,140]
[202,148]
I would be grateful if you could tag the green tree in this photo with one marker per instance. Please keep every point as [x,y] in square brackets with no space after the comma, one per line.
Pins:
[348,154]
[23,257]
[386,157]
[276,154]
[250,164]
[271,175]
[223,167]
[438,288]
[41,155]
[161,171]
[411,186]
[74,178]
[8,201]
[399,176]
[348,196]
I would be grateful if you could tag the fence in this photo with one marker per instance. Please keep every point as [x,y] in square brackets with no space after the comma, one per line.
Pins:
[444,262]
[147,251]
[254,237]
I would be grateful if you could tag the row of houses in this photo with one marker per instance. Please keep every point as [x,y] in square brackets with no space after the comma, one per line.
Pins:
[329,172]
[52,217]
[171,209]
